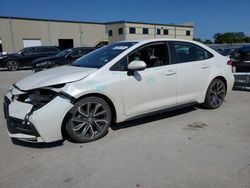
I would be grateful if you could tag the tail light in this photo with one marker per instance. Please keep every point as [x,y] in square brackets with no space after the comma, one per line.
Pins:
[230,62]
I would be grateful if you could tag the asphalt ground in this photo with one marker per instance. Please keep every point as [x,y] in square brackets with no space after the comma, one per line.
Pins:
[187,148]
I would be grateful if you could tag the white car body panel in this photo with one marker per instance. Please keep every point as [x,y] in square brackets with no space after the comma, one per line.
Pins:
[146,91]
[107,84]
[50,128]
[19,109]
[58,75]
[142,92]
[197,73]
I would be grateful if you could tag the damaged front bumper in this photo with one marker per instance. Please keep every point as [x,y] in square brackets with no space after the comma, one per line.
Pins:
[43,124]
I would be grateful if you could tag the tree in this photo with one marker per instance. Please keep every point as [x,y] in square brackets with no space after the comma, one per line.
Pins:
[230,37]
[247,40]
[206,41]
[197,39]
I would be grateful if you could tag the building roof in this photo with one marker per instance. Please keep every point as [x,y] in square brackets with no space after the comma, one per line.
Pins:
[148,23]
[104,23]
[49,20]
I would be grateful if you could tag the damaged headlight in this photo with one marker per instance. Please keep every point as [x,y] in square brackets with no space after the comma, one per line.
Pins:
[41,96]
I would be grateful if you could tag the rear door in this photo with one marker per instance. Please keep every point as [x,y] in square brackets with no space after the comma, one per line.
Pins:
[194,69]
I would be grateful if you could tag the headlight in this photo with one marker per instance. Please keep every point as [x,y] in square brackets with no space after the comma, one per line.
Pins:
[1,57]
[44,64]
[41,96]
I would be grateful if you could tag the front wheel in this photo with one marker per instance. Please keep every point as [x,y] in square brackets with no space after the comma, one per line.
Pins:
[89,120]
[12,65]
[215,95]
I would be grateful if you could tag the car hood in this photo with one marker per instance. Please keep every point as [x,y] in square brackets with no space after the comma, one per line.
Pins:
[58,75]
[43,59]
[11,55]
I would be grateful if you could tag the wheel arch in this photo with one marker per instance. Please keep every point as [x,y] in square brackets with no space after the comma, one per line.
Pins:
[104,97]
[223,79]
[216,77]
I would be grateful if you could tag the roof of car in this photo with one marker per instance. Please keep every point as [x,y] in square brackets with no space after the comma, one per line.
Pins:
[43,47]
[145,41]
[159,39]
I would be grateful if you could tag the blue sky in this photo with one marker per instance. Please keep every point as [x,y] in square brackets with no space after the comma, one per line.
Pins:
[209,17]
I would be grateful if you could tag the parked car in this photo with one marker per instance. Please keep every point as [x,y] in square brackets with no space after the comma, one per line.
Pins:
[115,83]
[25,56]
[241,66]
[64,57]
[227,51]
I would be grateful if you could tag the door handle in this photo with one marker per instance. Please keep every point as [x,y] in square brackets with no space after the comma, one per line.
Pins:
[170,72]
[204,66]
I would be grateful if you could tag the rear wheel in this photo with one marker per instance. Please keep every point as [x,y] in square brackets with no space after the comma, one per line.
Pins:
[215,95]
[89,120]
[12,65]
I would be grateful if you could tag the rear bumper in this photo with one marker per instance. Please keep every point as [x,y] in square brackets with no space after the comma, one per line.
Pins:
[242,79]
[230,82]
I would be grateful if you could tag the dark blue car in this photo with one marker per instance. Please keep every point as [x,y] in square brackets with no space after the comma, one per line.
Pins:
[65,57]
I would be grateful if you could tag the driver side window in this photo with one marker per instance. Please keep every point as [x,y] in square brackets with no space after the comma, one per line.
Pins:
[153,55]
[27,51]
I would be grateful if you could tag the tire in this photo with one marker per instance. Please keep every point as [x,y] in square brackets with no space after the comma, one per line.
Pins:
[12,65]
[215,94]
[88,120]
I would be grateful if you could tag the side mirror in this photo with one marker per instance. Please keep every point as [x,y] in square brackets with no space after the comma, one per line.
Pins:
[137,65]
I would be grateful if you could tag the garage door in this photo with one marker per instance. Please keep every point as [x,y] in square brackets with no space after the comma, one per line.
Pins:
[31,42]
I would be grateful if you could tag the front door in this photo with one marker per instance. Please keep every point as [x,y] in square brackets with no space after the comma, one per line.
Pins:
[153,88]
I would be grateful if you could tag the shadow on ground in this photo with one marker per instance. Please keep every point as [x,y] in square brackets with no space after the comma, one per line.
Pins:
[37,145]
[241,89]
[21,69]
[156,117]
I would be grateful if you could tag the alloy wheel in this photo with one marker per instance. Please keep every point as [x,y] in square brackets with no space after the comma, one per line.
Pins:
[12,65]
[89,120]
[217,93]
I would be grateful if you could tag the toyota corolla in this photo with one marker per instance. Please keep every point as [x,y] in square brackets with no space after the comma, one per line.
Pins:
[115,83]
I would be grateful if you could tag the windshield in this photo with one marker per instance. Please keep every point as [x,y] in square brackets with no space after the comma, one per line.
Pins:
[100,57]
[63,53]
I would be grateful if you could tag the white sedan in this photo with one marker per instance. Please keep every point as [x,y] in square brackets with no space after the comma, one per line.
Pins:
[118,82]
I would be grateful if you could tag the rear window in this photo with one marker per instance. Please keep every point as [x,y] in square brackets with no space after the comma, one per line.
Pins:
[187,52]
[48,49]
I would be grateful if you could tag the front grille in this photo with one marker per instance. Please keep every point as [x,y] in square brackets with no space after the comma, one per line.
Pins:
[6,103]
[16,125]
